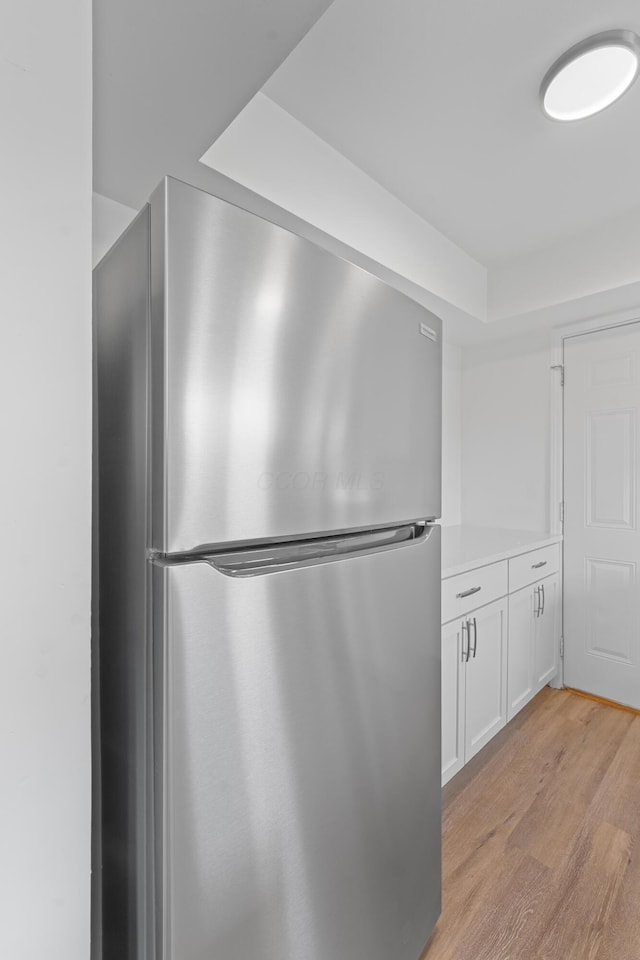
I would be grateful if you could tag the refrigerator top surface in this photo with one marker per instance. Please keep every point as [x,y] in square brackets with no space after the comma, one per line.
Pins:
[294,394]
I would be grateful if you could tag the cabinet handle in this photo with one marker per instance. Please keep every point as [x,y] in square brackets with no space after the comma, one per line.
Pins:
[542,592]
[468,593]
[536,566]
[536,609]
[475,637]
[465,653]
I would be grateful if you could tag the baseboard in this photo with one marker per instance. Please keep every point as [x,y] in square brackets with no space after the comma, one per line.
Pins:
[607,703]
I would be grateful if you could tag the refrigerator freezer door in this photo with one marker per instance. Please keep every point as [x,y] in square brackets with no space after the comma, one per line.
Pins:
[301,775]
[293,393]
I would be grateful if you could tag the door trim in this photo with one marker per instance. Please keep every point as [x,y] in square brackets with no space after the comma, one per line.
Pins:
[556,432]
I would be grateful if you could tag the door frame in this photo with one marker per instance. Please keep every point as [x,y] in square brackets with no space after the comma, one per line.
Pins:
[622,318]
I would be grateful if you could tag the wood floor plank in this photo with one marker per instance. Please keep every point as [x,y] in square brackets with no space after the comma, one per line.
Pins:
[512,776]
[513,911]
[586,893]
[618,802]
[546,702]
[621,934]
[541,843]
[618,797]
[502,794]
[554,818]
[548,828]
[476,830]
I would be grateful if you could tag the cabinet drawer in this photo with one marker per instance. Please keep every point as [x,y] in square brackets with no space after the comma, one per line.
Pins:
[470,590]
[529,567]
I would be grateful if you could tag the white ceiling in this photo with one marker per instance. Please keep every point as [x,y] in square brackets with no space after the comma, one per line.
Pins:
[438,102]
[434,102]
[170,76]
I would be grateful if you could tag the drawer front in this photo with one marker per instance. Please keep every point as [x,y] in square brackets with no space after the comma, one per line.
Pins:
[467,591]
[529,567]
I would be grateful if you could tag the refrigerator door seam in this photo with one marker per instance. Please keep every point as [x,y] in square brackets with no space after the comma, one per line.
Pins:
[253,563]
[260,559]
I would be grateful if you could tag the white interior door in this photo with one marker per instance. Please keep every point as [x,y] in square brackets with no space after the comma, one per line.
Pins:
[602,542]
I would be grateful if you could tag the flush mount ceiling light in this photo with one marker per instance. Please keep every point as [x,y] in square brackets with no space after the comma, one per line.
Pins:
[591,75]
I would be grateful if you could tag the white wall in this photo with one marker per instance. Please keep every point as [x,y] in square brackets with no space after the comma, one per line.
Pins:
[505,434]
[590,264]
[45,409]
[451,433]
[110,219]
[272,153]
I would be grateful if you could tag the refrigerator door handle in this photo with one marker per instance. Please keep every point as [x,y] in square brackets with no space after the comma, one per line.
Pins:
[257,561]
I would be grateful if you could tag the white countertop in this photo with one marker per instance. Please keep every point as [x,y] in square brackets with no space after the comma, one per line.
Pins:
[465,547]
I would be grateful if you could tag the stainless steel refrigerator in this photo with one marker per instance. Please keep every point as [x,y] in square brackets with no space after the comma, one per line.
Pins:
[266,649]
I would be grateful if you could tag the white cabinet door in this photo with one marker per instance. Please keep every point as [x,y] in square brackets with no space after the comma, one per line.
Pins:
[534,634]
[547,631]
[453,695]
[486,676]
[520,683]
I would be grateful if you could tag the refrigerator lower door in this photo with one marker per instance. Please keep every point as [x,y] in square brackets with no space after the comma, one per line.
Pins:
[299,793]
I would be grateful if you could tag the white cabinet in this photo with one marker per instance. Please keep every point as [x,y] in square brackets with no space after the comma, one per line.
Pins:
[474,683]
[500,645]
[530,567]
[453,700]
[486,676]
[475,589]
[547,632]
[534,634]
[521,644]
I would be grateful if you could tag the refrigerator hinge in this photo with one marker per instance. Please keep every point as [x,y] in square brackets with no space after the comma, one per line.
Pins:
[560,367]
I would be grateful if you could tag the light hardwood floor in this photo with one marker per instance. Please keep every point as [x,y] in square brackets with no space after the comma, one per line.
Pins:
[541,839]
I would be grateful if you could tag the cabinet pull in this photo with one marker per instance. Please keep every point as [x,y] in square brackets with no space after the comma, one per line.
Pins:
[536,566]
[536,609]
[465,653]
[468,593]
[475,637]
[542,593]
